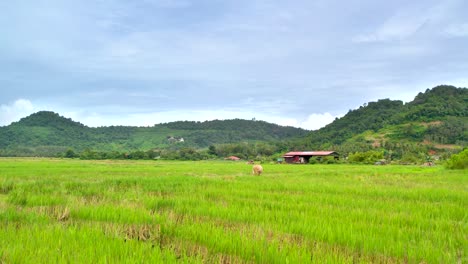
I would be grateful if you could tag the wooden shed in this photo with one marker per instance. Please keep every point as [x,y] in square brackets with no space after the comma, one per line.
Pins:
[305,156]
[234,158]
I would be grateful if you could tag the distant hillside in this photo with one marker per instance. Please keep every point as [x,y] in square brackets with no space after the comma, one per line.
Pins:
[437,103]
[46,133]
[372,116]
[438,117]
[47,119]
[435,120]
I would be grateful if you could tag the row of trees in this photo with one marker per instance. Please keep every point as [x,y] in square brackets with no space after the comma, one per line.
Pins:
[405,154]
[242,150]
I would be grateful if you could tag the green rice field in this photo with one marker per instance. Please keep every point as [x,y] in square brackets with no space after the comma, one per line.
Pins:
[74,211]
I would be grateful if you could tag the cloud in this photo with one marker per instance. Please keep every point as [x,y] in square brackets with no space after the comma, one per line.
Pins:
[276,61]
[400,26]
[169,3]
[13,112]
[95,119]
[409,20]
[316,121]
[458,30]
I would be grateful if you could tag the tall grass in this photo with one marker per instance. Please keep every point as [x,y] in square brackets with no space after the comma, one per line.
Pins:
[163,212]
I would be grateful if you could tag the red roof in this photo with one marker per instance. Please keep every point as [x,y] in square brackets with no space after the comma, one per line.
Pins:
[308,153]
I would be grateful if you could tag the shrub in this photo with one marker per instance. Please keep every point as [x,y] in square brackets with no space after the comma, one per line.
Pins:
[368,157]
[458,161]
[410,158]
[329,160]
[323,160]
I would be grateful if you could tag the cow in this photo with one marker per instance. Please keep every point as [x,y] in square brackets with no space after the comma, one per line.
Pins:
[257,169]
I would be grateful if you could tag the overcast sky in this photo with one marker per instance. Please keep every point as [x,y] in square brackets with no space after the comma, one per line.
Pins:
[299,63]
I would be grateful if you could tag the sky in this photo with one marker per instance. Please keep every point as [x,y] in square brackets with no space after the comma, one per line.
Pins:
[299,63]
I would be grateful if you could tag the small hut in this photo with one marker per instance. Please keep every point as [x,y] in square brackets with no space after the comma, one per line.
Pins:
[305,156]
[234,158]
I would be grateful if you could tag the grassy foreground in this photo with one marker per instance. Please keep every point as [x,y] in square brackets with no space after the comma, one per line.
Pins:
[77,211]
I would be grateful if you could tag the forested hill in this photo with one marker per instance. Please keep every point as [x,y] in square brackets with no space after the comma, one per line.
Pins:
[254,129]
[47,119]
[435,104]
[437,116]
[45,133]
[371,116]
[435,119]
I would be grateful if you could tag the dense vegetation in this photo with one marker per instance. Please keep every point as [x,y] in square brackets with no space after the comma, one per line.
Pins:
[440,115]
[48,134]
[458,161]
[436,104]
[371,116]
[74,211]
[433,125]
[435,121]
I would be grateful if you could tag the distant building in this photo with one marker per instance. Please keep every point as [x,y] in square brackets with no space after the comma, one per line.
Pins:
[173,139]
[232,158]
[305,156]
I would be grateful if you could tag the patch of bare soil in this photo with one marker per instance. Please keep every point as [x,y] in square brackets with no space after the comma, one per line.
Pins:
[433,123]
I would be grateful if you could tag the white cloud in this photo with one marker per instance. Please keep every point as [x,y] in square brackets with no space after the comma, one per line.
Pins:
[398,27]
[13,112]
[169,3]
[316,121]
[115,57]
[312,122]
[151,118]
[458,30]
[408,21]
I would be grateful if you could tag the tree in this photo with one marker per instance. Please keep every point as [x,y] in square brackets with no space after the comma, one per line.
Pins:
[368,157]
[70,154]
[458,161]
[212,150]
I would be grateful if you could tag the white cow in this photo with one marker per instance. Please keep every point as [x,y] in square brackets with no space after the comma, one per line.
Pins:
[257,169]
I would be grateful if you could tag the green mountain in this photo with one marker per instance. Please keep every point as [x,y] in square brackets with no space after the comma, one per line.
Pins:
[435,119]
[371,116]
[47,133]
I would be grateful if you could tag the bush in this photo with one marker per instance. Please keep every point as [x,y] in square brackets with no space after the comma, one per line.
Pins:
[458,161]
[71,154]
[410,158]
[368,157]
[323,160]
[329,160]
